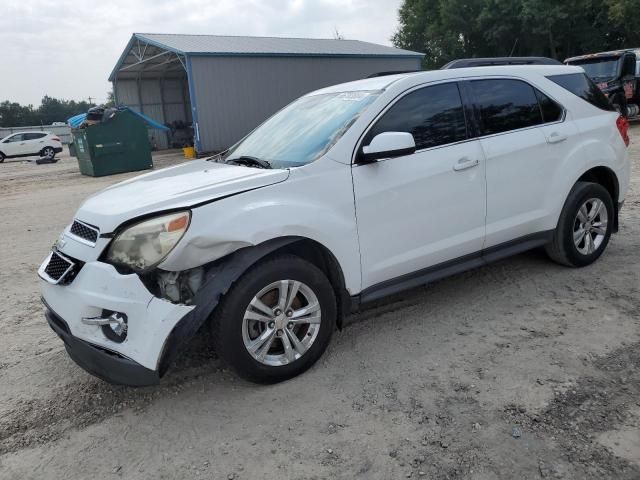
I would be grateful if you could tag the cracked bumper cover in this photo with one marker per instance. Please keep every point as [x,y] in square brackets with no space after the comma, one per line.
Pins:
[99,287]
[103,364]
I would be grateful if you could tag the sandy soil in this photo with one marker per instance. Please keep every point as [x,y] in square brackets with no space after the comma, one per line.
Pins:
[523,369]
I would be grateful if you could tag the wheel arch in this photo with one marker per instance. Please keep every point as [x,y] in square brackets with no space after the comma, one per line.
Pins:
[609,180]
[320,256]
[224,272]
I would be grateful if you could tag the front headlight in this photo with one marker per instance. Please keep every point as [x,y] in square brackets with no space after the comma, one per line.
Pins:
[145,244]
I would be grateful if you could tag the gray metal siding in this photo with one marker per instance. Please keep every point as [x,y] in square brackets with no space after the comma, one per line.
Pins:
[235,94]
[161,99]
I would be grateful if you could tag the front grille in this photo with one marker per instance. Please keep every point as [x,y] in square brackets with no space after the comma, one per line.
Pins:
[84,231]
[58,267]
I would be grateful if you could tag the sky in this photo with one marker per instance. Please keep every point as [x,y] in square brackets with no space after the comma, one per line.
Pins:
[66,49]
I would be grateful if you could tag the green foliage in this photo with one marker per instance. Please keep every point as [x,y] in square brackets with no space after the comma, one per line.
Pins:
[50,110]
[448,29]
[111,99]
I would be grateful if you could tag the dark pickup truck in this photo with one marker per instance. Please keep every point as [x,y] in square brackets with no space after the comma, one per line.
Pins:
[616,74]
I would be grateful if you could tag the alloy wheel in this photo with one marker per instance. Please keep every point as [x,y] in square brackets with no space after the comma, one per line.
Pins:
[590,226]
[281,322]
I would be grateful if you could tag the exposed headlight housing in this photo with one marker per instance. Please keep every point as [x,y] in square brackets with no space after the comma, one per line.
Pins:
[144,245]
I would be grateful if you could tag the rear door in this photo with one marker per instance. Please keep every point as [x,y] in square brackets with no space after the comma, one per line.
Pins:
[34,142]
[525,137]
[423,209]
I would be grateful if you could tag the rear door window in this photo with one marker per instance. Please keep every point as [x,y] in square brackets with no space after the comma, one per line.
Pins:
[505,105]
[582,86]
[433,115]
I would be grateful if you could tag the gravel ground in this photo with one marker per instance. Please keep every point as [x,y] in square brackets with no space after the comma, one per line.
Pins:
[522,369]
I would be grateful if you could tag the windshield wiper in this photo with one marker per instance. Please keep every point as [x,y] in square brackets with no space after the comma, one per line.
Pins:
[248,161]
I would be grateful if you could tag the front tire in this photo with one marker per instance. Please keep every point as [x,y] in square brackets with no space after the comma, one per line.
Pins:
[2,157]
[584,227]
[276,321]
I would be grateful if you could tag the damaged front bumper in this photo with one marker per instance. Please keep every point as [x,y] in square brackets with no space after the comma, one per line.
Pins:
[156,329]
[104,364]
[99,288]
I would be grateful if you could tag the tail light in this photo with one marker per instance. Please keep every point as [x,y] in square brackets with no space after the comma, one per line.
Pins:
[623,127]
[55,139]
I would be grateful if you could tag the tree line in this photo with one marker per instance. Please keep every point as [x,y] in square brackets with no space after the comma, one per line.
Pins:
[448,29]
[51,109]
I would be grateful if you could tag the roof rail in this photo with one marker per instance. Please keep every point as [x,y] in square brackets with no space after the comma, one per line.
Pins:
[493,61]
[393,72]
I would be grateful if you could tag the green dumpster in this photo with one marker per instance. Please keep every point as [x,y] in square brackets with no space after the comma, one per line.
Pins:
[119,144]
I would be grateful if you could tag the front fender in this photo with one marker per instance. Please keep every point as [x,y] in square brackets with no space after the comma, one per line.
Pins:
[315,203]
[218,279]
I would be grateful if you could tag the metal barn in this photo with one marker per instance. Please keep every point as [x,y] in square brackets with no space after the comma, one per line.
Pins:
[216,89]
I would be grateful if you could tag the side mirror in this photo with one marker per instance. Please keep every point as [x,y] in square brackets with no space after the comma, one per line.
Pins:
[388,145]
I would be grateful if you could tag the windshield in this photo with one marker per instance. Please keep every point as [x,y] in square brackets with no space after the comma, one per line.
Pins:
[304,130]
[599,69]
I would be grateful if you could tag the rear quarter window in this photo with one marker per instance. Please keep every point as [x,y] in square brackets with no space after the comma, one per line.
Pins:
[551,111]
[582,86]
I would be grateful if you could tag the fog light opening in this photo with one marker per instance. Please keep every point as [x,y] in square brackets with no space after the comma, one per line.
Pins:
[117,326]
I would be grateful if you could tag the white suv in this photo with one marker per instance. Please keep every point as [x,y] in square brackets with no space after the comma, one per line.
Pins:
[349,194]
[29,144]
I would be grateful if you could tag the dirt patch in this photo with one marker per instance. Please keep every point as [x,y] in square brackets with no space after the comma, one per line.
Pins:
[39,421]
[578,416]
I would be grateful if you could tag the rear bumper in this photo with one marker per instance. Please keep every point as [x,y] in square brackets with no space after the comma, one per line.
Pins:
[106,365]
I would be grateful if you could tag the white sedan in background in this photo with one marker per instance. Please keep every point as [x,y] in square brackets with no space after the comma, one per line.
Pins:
[30,144]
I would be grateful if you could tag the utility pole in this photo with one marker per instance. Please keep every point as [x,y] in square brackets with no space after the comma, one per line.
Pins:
[90,100]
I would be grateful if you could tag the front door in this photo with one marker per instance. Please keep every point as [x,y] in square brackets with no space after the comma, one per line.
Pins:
[420,210]
[14,145]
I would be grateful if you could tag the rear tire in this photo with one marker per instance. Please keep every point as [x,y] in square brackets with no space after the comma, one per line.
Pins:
[49,153]
[287,332]
[584,227]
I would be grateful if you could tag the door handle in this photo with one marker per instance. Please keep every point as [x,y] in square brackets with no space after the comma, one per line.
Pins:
[556,137]
[465,163]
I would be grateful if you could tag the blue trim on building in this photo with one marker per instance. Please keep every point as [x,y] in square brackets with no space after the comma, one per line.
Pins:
[144,39]
[194,108]
[120,61]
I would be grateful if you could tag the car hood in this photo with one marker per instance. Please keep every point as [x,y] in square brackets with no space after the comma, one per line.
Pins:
[182,186]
